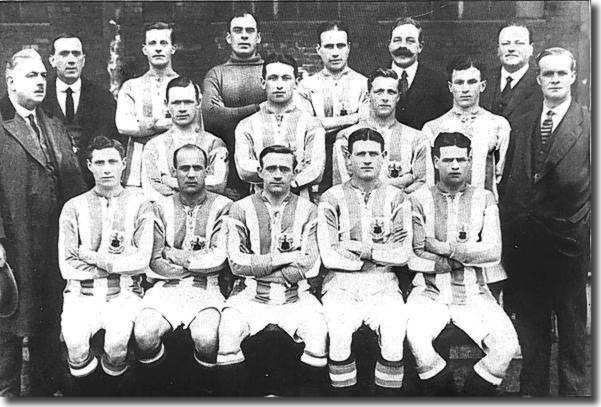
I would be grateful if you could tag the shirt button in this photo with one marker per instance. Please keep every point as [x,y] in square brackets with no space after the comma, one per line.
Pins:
[536,177]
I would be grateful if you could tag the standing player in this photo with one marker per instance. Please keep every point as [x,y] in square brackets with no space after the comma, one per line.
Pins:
[362,226]
[105,243]
[183,104]
[404,165]
[272,244]
[188,254]
[456,232]
[141,101]
[280,121]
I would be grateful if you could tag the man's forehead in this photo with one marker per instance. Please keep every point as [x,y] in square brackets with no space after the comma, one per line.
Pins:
[366,145]
[158,33]
[333,36]
[406,30]
[471,72]
[555,62]
[278,159]
[181,92]
[279,68]
[190,156]
[514,33]
[386,83]
[67,43]
[29,65]
[453,152]
[105,154]
[245,21]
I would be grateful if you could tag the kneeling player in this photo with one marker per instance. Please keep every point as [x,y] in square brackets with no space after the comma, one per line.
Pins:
[362,232]
[456,234]
[105,243]
[272,243]
[188,254]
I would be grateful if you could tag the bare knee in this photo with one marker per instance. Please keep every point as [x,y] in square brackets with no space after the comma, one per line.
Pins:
[149,327]
[204,329]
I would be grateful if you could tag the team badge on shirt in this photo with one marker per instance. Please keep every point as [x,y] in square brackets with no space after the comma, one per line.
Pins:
[197,243]
[394,169]
[285,243]
[377,229]
[462,234]
[116,245]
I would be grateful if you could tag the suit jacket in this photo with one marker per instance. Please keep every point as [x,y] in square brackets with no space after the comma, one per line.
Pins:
[95,116]
[552,205]
[427,98]
[30,201]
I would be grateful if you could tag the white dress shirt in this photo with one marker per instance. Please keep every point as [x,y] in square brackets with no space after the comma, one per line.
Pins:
[559,112]
[411,71]
[515,76]
[61,94]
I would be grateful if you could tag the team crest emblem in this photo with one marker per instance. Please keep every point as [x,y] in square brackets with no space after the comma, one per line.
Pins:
[285,243]
[462,235]
[394,169]
[116,245]
[197,243]
[376,230]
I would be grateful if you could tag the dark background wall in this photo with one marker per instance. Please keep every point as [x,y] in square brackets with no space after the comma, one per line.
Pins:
[450,27]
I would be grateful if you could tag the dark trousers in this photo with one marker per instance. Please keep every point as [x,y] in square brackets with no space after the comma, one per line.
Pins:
[45,368]
[544,280]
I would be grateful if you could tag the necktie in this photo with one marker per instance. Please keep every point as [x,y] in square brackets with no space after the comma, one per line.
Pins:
[69,106]
[404,84]
[40,137]
[546,128]
[507,89]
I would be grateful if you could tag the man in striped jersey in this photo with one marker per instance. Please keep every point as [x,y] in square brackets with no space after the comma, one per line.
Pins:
[272,244]
[281,121]
[456,233]
[105,243]
[405,162]
[188,254]
[183,104]
[488,132]
[364,228]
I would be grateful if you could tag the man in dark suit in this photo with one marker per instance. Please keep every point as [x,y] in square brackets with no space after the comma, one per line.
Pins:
[512,87]
[38,173]
[424,94]
[546,223]
[86,109]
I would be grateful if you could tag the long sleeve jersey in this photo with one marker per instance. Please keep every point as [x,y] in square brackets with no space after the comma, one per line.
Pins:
[406,159]
[189,241]
[346,214]
[257,231]
[489,135]
[293,128]
[139,98]
[157,162]
[469,221]
[118,229]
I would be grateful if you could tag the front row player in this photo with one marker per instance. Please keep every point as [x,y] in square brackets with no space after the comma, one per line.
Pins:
[188,254]
[364,228]
[105,243]
[272,243]
[456,233]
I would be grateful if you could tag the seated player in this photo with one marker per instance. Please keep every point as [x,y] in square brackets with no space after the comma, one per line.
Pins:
[105,243]
[272,244]
[183,104]
[188,254]
[363,226]
[456,233]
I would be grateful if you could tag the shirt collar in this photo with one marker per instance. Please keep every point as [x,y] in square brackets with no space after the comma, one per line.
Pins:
[265,199]
[515,76]
[290,108]
[474,111]
[411,71]
[378,184]
[170,73]
[200,200]
[22,111]
[329,74]
[371,122]
[62,86]
[442,190]
[559,110]
[115,193]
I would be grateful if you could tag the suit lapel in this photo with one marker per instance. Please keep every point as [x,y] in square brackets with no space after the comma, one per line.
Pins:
[520,90]
[18,129]
[84,101]
[51,136]
[54,108]
[415,91]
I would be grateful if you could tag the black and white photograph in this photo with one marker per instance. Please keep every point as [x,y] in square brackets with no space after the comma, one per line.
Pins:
[299,200]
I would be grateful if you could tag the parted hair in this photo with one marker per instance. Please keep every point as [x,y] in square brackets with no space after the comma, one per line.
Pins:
[160,25]
[281,58]
[557,51]
[451,139]
[102,142]
[182,82]
[332,26]
[380,73]
[408,20]
[461,63]
[65,35]
[277,149]
[365,134]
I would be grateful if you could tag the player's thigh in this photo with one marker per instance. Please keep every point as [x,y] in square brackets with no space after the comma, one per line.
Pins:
[118,319]
[233,328]
[426,318]
[79,321]
[311,321]
[150,325]
[386,311]
[205,326]
[343,314]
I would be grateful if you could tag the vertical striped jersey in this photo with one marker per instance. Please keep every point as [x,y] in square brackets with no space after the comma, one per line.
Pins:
[256,231]
[118,228]
[293,128]
[469,221]
[347,213]
[193,237]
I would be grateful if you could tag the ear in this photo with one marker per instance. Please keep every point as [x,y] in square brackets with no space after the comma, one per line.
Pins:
[450,85]
[258,38]
[435,161]
[538,80]
[384,154]
[228,38]
[144,50]
[83,60]
[482,86]
[52,61]
[89,163]
[260,172]
[263,83]
[573,79]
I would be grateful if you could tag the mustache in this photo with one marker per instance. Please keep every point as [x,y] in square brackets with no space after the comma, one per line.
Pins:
[402,52]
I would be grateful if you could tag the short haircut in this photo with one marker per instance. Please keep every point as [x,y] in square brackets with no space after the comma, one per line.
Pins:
[408,20]
[380,73]
[103,142]
[365,134]
[27,53]
[461,63]
[277,149]
[281,58]
[240,14]
[557,51]
[332,26]
[451,139]
[189,147]
[65,35]
[160,25]
[182,82]
[515,23]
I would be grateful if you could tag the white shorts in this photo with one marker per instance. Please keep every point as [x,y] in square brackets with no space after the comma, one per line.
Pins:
[180,302]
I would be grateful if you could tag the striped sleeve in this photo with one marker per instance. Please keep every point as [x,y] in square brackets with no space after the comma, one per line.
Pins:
[151,174]
[503,132]
[306,266]
[332,255]
[247,162]
[211,260]
[218,164]
[70,264]
[315,153]
[158,263]
[418,163]
[394,253]
[242,260]
[486,251]
[428,133]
